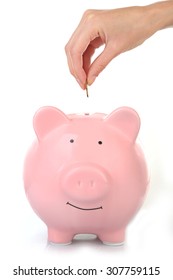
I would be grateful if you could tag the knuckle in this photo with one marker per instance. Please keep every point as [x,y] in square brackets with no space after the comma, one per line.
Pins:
[100,68]
[90,15]
[88,12]
[67,48]
[71,69]
[71,50]
[72,72]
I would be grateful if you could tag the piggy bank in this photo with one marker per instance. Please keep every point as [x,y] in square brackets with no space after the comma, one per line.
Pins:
[85,173]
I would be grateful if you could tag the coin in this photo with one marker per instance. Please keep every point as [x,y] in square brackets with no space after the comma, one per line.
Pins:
[87,90]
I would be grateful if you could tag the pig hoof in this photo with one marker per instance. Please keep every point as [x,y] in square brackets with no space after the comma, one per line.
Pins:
[113,243]
[59,237]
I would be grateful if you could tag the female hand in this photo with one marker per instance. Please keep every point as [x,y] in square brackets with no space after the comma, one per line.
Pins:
[119,30]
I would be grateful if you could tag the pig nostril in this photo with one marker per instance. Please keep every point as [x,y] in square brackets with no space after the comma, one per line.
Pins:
[92,183]
[79,183]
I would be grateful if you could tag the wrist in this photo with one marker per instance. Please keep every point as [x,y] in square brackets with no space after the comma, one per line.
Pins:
[160,14]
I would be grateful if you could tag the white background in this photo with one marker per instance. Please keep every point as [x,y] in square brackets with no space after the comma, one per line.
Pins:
[34,73]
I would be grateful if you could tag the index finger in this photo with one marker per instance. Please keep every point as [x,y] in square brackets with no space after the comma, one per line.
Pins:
[75,49]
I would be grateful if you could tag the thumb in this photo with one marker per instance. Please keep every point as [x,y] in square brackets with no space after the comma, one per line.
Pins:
[101,62]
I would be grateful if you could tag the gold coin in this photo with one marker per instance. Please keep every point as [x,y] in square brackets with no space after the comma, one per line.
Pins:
[87,91]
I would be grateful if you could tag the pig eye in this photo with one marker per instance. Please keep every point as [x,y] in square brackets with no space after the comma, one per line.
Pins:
[71,140]
[100,142]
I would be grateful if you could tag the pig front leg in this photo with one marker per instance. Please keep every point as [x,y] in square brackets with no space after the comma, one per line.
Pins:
[115,238]
[59,237]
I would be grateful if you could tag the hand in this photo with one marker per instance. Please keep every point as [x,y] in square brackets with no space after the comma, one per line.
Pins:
[119,30]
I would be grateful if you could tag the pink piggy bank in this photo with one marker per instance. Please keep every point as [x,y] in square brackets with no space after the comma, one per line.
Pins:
[86,173]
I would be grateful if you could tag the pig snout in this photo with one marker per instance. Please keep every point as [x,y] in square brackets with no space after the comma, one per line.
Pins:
[85,183]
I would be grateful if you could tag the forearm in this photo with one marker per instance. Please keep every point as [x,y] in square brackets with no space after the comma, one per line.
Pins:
[160,14]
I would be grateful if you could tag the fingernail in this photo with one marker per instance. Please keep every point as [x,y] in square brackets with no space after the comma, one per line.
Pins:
[91,80]
[80,83]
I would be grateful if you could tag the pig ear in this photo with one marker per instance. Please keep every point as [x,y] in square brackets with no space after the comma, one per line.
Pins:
[126,120]
[46,119]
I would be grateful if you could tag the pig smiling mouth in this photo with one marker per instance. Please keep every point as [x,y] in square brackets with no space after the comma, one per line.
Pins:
[89,209]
